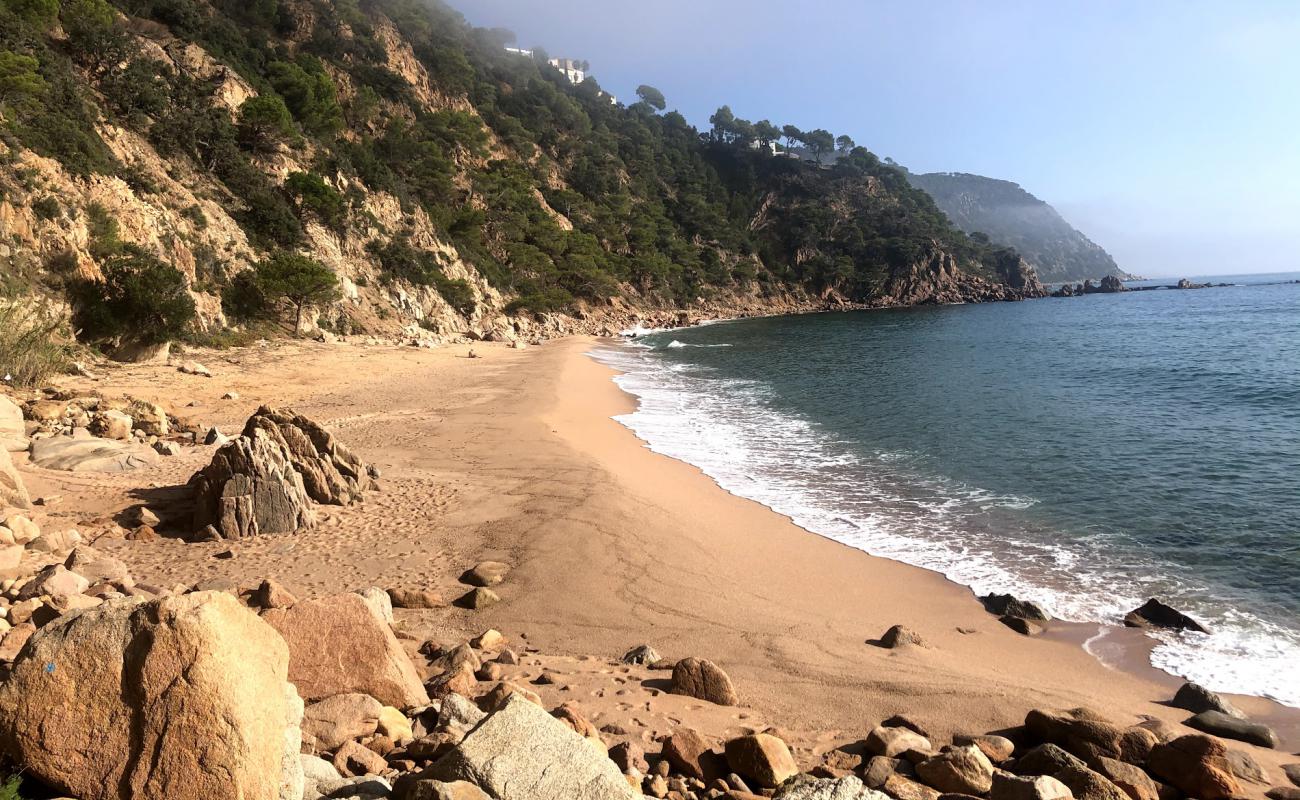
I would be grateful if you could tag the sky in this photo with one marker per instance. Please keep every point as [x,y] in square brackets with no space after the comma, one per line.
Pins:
[1168,131]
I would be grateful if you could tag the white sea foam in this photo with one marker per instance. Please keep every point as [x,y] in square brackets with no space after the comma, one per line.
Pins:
[732,431]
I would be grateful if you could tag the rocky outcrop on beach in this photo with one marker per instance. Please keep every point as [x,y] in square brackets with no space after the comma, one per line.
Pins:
[265,480]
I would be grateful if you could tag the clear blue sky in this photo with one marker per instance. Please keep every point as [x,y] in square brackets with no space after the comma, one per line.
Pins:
[1166,130]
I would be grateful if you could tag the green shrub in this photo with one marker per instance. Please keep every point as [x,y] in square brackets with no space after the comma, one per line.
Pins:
[285,280]
[553,299]
[9,788]
[243,301]
[34,345]
[264,123]
[47,208]
[141,299]
[312,194]
[398,259]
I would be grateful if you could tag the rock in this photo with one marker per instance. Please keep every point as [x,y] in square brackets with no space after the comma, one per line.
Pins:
[642,655]
[899,636]
[489,639]
[194,368]
[890,741]
[1221,724]
[1021,625]
[353,759]
[328,723]
[55,579]
[214,436]
[1131,780]
[394,724]
[141,515]
[11,643]
[1155,614]
[13,433]
[522,753]
[478,599]
[1088,735]
[96,567]
[1292,773]
[1041,787]
[498,695]
[486,573]
[55,541]
[901,787]
[1196,698]
[144,533]
[846,788]
[168,449]
[996,748]
[23,530]
[762,758]
[629,757]
[961,770]
[1283,793]
[1085,784]
[261,481]
[12,491]
[1005,605]
[571,715]
[1046,759]
[112,424]
[459,713]
[690,754]
[444,790]
[271,594]
[703,680]
[1244,767]
[150,418]
[338,645]
[1196,764]
[415,598]
[72,454]
[162,681]
[11,555]
[878,770]
[230,396]
[317,773]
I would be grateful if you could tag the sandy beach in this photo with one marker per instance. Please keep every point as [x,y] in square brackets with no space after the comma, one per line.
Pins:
[513,456]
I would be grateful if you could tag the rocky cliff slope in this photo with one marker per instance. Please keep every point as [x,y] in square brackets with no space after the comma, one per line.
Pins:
[1007,214]
[451,187]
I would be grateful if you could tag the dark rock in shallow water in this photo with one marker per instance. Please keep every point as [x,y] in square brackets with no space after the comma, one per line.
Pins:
[1196,698]
[1005,605]
[1155,614]
[1220,724]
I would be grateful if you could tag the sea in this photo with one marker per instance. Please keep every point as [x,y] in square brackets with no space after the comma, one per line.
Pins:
[1087,453]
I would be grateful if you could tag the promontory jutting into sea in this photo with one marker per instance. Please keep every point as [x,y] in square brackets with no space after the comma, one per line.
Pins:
[493,400]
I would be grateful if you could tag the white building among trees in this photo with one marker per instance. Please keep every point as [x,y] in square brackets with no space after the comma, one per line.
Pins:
[575,71]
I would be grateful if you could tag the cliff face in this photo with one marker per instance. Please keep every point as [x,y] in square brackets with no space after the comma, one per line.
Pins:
[453,189]
[1009,215]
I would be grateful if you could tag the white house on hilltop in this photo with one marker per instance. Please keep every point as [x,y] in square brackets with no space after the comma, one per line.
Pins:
[572,69]
[519,52]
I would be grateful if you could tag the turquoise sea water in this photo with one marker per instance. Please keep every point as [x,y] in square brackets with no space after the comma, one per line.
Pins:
[1086,452]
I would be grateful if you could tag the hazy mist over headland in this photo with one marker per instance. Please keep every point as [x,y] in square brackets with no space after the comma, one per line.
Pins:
[1163,130]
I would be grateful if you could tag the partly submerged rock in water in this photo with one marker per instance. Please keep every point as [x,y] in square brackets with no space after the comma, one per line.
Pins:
[1155,614]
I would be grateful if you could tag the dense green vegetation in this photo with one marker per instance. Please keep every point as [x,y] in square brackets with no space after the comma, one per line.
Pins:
[549,190]
[284,282]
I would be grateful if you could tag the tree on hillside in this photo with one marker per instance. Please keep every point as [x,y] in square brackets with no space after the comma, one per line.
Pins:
[651,96]
[819,142]
[766,132]
[792,135]
[845,144]
[141,299]
[296,281]
[264,122]
[20,82]
[95,35]
[37,13]
[723,122]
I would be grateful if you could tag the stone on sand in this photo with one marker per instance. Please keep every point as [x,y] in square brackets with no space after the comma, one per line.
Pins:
[486,573]
[690,753]
[13,433]
[891,741]
[1132,780]
[808,788]
[379,602]
[112,424]
[202,675]
[270,594]
[763,759]
[1196,764]
[641,655]
[996,748]
[478,599]
[520,752]
[901,636]
[1229,727]
[1085,784]
[1040,787]
[338,645]
[1196,698]
[415,598]
[703,680]
[76,454]
[55,579]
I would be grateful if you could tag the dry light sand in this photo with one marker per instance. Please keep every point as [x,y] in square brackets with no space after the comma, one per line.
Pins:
[514,456]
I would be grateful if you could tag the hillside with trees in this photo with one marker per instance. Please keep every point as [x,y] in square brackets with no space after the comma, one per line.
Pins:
[380,166]
[1001,211]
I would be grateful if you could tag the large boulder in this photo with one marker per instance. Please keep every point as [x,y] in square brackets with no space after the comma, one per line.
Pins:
[702,679]
[181,698]
[1155,614]
[1088,735]
[338,645]
[89,454]
[1230,727]
[762,758]
[1196,698]
[1196,764]
[1042,787]
[849,787]
[261,482]
[328,723]
[1086,784]
[13,433]
[960,770]
[12,491]
[520,752]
